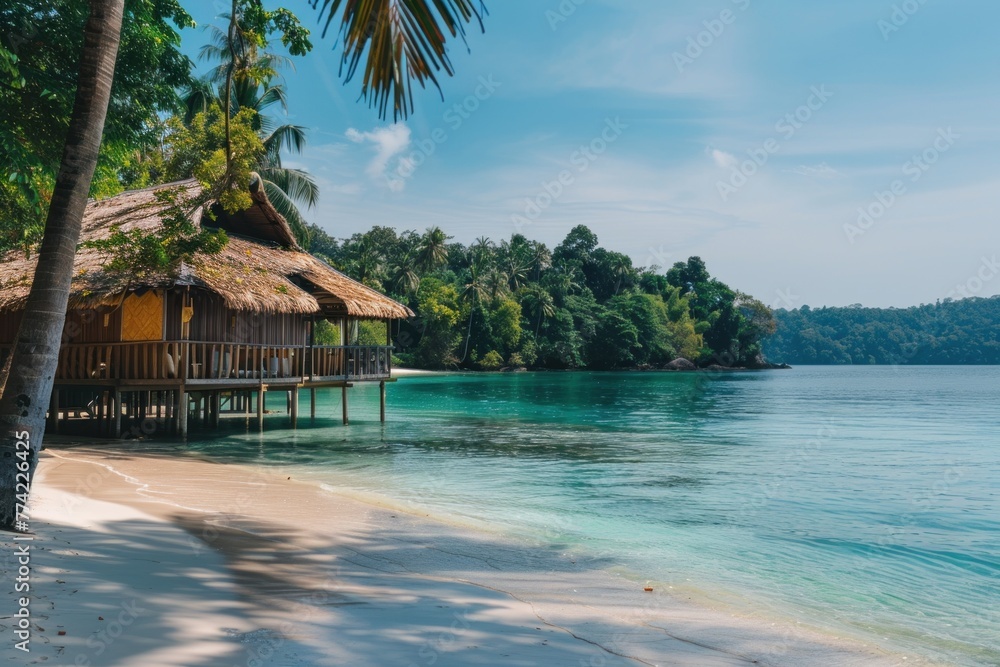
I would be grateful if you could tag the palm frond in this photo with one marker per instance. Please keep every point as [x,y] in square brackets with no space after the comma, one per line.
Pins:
[287,208]
[292,137]
[294,183]
[404,41]
[218,49]
[275,62]
[272,95]
[218,73]
[199,97]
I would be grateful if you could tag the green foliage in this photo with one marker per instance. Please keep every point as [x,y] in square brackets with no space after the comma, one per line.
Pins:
[732,324]
[576,307]
[40,46]
[22,222]
[322,244]
[948,332]
[246,78]
[616,344]
[326,332]
[491,361]
[198,150]
[647,313]
[141,253]
[258,24]
[371,332]
[505,318]
[433,250]
[684,335]
[437,304]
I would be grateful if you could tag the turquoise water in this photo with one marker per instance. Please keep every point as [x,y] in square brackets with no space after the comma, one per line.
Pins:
[863,500]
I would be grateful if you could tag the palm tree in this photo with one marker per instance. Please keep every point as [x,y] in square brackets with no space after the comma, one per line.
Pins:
[561,283]
[402,277]
[408,43]
[433,250]
[497,284]
[247,72]
[250,62]
[539,302]
[483,249]
[541,258]
[31,368]
[621,266]
[480,256]
[198,98]
[368,262]
[516,261]
[474,288]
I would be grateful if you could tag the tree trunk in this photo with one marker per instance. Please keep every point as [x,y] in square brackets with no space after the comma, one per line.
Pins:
[468,333]
[229,89]
[36,350]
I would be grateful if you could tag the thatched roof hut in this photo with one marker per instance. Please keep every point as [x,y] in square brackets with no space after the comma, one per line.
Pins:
[262,269]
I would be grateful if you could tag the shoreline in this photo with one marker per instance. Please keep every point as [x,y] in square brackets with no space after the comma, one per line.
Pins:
[313,577]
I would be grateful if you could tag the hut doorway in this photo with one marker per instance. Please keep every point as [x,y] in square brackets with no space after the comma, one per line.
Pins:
[142,316]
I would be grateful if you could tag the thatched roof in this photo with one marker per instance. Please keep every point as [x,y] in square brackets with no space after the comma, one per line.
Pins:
[262,269]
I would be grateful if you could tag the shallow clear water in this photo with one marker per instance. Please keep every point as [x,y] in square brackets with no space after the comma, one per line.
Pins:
[861,499]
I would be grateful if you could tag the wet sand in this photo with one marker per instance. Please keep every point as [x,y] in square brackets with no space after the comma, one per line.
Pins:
[154,559]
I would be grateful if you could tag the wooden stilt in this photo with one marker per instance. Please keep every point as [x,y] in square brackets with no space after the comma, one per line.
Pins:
[216,406]
[344,399]
[260,408]
[169,414]
[312,403]
[381,401]
[182,412]
[103,411]
[293,397]
[117,424]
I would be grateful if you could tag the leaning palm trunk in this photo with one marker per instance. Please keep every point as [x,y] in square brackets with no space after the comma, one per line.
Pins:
[468,333]
[35,354]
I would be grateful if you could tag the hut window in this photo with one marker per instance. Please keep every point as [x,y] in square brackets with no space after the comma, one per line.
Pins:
[142,317]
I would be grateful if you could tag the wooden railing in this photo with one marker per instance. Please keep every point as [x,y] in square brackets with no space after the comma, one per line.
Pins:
[157,360]
[200,360]
[370,361]
[216,361]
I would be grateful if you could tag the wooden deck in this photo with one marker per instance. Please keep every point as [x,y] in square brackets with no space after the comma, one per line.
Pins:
[173,382]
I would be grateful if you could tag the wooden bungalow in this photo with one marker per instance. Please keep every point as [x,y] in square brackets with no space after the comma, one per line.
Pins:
[208,339]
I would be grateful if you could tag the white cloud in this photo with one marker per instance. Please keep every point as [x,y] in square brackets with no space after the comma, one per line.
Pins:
[723,159]
[388,143]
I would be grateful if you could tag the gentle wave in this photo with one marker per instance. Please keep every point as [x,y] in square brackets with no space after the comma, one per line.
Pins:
[865,500]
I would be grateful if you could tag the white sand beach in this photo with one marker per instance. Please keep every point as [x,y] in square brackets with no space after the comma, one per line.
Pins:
[157,560]
[414,372]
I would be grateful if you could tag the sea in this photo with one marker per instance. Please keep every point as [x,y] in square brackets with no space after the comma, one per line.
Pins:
[863,501]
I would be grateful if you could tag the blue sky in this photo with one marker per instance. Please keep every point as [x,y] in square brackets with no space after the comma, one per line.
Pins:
[811,153]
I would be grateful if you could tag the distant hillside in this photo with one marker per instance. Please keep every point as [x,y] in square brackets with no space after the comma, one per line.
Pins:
[949,332]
